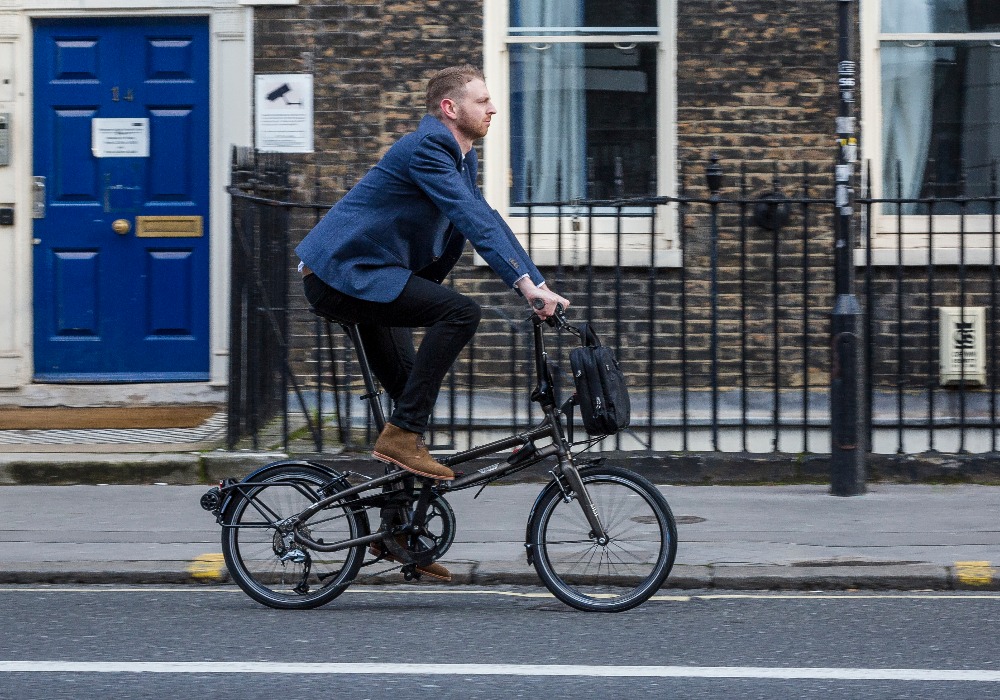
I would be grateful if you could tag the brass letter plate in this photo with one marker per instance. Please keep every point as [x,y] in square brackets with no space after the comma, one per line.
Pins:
[168,226]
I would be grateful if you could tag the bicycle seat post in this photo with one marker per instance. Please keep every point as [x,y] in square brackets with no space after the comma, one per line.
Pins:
[372,392]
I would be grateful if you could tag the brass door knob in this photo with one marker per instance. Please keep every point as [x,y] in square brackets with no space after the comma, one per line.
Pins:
[121,226]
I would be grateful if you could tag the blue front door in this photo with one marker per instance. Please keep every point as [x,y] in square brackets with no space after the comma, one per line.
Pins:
[121,246]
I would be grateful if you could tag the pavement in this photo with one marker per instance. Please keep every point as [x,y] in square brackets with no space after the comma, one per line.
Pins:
[147,528]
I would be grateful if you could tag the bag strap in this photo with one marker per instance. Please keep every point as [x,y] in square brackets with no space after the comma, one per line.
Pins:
[588,336]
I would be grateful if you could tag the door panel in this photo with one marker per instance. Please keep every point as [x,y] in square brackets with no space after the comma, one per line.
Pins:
[75,59]
[74,175]
[171,307]
[76,303]
[111,305]
[171,129]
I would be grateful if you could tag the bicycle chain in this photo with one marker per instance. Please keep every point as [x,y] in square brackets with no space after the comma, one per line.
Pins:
[407,576]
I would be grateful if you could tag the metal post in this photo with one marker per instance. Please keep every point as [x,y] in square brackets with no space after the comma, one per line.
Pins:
[847,437]
[713,177]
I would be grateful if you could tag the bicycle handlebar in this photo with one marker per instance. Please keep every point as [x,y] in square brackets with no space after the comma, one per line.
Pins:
[557,320]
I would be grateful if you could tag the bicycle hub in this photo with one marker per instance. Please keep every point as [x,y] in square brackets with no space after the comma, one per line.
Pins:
[211,499]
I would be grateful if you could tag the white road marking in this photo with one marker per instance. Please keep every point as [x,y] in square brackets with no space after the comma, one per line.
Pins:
[467,591]
[274,667]
[847,596]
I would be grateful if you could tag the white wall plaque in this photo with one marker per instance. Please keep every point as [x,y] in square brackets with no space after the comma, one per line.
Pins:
[284,113]
[119,138]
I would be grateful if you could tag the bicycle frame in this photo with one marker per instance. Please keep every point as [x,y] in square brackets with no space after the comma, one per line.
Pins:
[551,426]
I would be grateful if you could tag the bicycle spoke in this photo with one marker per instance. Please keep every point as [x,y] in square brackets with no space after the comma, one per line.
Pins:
[267,563]
[625,570]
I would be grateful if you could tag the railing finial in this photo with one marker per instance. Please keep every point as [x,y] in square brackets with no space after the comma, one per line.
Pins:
[713,175]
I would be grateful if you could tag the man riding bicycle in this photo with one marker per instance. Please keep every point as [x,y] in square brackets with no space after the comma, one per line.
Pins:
[379,256]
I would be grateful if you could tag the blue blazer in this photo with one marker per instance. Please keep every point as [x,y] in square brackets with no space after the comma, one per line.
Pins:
[411,214]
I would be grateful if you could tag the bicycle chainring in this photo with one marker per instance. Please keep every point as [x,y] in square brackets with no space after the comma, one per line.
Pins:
[439,533]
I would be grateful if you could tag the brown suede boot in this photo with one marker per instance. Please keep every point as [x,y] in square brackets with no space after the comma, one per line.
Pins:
[434,570]
[407,450]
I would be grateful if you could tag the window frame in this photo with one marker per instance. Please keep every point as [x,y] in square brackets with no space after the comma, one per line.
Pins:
[912,239]
[570,227]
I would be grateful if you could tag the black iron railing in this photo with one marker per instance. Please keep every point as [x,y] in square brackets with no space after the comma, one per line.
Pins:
[932,386]
[717,301]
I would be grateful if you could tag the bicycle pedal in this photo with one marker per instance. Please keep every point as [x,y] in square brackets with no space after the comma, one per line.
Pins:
[410,573]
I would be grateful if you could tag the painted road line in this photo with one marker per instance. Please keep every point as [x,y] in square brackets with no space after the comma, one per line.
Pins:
[975,573]
[465,591]
[521,670]
[848,596]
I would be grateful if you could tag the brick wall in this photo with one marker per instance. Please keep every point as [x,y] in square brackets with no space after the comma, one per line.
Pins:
[756,81]
[370,60]
[755,85]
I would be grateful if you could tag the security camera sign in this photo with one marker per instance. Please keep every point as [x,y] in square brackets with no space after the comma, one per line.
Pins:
[284,113]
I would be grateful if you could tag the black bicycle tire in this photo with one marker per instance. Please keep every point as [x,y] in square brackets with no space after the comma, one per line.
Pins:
[259,591]
[566,591]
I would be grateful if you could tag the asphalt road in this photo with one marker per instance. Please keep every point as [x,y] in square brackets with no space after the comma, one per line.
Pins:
[392,642]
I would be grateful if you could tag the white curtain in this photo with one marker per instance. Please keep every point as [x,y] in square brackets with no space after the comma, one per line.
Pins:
[554,115]
[907,98]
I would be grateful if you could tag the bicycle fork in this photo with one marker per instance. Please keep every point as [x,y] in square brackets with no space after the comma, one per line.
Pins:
[568,471]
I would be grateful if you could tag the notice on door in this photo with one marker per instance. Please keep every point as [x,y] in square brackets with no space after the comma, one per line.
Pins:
[119,138]
[284,113]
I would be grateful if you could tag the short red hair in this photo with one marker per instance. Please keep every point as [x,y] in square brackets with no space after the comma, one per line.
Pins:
[449,84]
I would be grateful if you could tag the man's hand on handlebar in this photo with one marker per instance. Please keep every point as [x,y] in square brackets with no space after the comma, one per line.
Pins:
[543,300]
[556,320]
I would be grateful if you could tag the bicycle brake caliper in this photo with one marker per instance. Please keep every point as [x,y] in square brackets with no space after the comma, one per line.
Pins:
[567,494]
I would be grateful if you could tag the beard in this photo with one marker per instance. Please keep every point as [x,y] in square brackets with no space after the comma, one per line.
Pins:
[471,126]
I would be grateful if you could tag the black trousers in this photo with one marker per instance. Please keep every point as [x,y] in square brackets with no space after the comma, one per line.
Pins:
[411,377]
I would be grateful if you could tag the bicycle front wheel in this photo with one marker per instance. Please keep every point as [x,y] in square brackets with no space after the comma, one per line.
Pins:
[618,575]
[263,557]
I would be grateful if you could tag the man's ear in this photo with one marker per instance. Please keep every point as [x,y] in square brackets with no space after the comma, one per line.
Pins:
[448,108]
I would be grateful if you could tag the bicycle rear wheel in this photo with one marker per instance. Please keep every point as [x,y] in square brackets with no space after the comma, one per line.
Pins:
[266,562]
[615,576]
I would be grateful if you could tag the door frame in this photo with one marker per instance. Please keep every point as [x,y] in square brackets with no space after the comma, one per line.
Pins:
[230,26]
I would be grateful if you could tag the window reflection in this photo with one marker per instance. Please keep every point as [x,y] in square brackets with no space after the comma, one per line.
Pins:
[928,16]
[940,131]
[582,13]
[583,121]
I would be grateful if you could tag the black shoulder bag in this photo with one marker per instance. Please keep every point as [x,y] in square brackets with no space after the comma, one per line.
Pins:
[601,391]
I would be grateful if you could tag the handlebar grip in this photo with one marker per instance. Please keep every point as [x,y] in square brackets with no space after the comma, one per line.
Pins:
[539,304]
[556,320]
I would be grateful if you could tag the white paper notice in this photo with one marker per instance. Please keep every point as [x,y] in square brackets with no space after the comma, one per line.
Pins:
[284,113]
[119,138]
